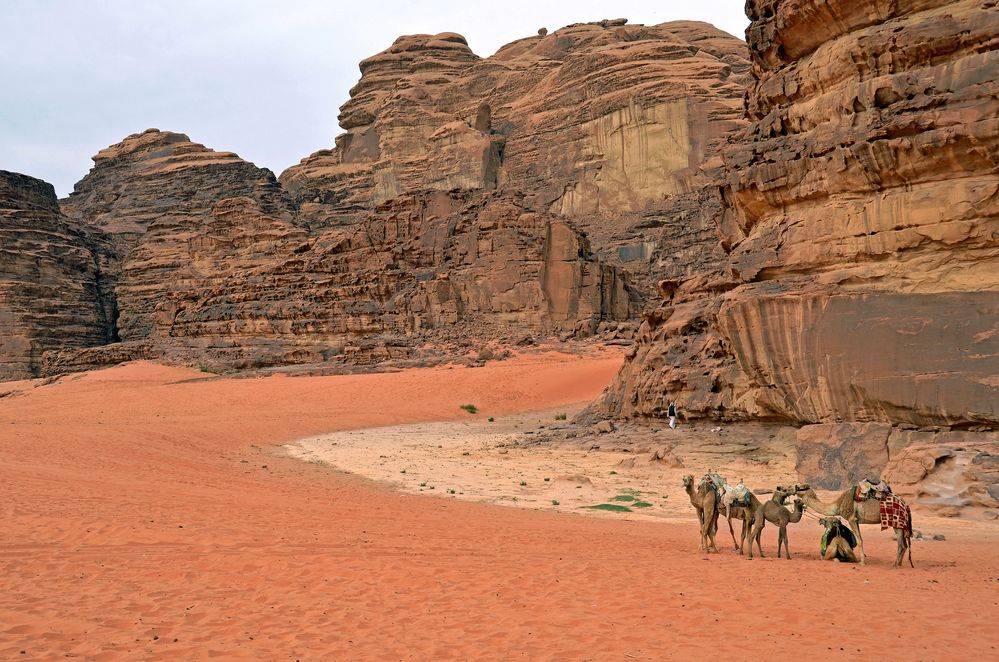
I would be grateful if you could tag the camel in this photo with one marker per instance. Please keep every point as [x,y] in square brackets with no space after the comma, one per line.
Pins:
[838,548]
[856,513]
[775,512]
[744,513]
[705,502]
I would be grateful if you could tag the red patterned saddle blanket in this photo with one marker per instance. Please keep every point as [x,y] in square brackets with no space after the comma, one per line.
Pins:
[895,514]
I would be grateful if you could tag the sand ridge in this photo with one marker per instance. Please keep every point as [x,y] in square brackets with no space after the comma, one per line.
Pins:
[152,513]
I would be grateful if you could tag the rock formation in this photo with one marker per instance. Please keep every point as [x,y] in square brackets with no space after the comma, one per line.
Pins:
[860,215]
[497,196]
[49,279]
[607,124]
[861,219]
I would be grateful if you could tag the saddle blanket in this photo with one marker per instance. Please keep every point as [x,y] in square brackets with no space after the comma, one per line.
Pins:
[895,514]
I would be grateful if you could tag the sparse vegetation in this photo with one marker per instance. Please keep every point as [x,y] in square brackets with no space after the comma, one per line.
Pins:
[560,417]
[641,504]
[523,483]
[402,471]
[612,507]
[490,419]
[613,473]
[623,497]
[471,409]
[547,479]
[204,368]
[556,502]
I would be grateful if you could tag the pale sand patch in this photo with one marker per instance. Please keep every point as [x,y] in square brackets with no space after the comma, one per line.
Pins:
[478,460]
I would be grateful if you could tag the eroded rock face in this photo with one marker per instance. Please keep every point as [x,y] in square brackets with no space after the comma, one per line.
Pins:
[608,124]
[498,195]
[49,279]
[415,264]
[861,213]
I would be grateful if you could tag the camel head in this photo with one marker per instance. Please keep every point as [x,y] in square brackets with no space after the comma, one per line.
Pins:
[782,493]
[688,480]
[799,488]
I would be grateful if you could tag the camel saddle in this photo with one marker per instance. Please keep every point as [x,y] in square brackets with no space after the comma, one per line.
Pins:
[716,483]
[737,496]
[871,489]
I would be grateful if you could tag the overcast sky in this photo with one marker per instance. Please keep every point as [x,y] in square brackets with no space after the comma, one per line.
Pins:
[263,79]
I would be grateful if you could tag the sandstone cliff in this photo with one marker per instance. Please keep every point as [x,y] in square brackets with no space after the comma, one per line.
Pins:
[607,124]
[860,214]
[500,196]
[49,279]
[863,211]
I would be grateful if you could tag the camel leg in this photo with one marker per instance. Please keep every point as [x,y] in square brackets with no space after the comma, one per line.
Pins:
[900,537]
[787,547]
[743,534]
[756,532]
[700,522]
[708,530]
[728,516]
[855,526]
[712,531]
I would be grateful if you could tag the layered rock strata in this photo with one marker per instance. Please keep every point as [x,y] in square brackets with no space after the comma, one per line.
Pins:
[860,216]
[861,219]
[503,195]
[50,280]
[608,124]
[215,267]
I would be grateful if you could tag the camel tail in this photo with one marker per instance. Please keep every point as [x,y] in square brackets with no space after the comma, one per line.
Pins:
[908,540]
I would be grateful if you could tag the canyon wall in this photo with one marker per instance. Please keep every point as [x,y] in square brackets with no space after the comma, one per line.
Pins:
[611,126]
[49,279]
[472,198]
[860,216]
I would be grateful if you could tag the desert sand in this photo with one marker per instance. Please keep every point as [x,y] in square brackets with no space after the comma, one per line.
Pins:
[156,512]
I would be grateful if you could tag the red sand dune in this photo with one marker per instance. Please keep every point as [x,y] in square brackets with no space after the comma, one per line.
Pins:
[147,516]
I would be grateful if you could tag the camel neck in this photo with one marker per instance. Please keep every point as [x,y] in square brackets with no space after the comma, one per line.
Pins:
[813,502]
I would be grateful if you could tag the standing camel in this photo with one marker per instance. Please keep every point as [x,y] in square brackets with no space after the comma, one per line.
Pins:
[746,514]
[774,511]
[705,501]
[857,513]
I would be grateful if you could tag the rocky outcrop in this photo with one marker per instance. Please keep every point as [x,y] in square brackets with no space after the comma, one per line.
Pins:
[860,216]
[152,193]
[608,124]
[49,279]
[227,276]
[502,196]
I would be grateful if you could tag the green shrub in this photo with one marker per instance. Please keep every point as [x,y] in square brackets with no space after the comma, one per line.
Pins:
[612,507]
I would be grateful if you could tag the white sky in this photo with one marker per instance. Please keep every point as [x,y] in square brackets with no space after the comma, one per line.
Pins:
[263,79]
